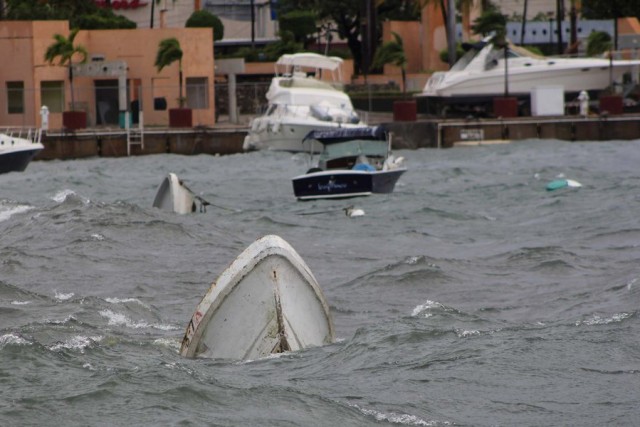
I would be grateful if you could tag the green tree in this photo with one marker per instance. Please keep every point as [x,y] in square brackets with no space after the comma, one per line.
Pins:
[392,52]
[490,22]
[598,43]
[609,9]
[83,14]
[169,51]
[300,23]
[205,19]
[347,16]
[64,49]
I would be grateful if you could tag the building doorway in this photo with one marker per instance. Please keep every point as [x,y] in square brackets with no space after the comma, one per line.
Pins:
[107,109]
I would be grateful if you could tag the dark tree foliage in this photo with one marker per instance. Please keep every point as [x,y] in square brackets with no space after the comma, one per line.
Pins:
[608,9]
[300,23]
[399,10]
[205,19]
[348,15]
[83,14]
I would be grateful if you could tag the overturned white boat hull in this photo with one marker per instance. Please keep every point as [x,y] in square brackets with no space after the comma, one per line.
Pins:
[267,301]
[173,196]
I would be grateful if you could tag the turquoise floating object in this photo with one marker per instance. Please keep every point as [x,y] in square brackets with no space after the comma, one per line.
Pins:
[562,183]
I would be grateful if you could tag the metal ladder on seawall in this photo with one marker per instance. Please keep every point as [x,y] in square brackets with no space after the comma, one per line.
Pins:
[135,136]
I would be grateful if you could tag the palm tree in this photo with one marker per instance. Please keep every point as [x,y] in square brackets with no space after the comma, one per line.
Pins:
[169,51]
[393,53]
[64,50]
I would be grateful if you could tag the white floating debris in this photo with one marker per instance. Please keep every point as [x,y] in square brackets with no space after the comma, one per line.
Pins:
[352,211]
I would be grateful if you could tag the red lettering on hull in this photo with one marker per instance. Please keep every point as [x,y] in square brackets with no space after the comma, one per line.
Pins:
[122,4]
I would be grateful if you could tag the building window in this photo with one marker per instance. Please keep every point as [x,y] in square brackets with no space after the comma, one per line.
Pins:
[198,93]
[15,97]
[52,95]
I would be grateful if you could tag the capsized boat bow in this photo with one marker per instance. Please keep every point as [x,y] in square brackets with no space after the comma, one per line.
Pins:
[267,301]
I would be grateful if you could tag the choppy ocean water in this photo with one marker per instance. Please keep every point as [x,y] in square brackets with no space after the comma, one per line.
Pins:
[469,296]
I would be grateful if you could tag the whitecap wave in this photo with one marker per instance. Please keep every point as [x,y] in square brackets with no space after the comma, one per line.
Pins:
[61,196]
[392,417]
[119,319]
[20,302]
[422,309]
[598,320]
[97,237]
[62,322]
[8,210]
[76,343]
[12,339]
[62,297]
[462,333]
[412,260]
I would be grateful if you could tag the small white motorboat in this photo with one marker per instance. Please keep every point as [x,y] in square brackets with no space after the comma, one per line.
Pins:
[174,196]
[353,163]
[267,301]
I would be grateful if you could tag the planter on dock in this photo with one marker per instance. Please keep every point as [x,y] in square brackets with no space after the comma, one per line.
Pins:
[405,111]
[612,104]
[73,120]
[180,118]
[505,107]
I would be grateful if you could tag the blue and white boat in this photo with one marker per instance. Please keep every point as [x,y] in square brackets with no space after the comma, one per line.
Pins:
[17,148]
[353,162]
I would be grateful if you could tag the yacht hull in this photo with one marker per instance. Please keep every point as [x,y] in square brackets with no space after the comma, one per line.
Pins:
[523,81]
[287,135]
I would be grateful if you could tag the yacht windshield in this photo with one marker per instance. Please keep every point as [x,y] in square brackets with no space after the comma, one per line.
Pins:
[462,63]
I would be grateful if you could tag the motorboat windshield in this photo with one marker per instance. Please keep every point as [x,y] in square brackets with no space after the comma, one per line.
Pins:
[472,51]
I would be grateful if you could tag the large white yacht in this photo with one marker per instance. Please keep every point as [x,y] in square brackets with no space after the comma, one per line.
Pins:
[305,94]
[481,73]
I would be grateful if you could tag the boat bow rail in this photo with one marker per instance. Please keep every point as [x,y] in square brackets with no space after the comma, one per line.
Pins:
[33,135]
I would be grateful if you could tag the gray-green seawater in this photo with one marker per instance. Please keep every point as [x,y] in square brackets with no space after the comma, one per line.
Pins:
[469,296]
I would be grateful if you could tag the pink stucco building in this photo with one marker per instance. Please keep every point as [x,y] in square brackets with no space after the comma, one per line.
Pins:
[119,75]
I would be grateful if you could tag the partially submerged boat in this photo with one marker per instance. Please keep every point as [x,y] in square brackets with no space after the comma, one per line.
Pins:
[18,147]
[352,163]
[305,94]
[267,301]
[174,196]
[479,75]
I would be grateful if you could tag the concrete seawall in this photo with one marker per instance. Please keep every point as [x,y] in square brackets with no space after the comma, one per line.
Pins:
[423,133]
[110,143]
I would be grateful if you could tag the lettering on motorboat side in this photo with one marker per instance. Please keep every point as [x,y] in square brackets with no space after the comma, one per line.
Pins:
[331,185]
